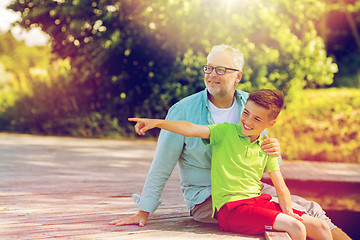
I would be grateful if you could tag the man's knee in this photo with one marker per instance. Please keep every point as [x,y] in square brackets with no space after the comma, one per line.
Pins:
[312,209]
[203,212]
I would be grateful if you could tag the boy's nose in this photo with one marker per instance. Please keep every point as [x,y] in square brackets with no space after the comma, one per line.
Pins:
[248,122]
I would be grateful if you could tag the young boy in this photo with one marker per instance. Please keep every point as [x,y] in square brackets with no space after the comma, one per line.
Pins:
[238,163]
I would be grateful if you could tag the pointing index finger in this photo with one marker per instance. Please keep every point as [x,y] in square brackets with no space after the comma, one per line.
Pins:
[133,119]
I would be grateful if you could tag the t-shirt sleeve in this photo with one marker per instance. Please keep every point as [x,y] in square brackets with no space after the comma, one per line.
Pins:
[272,164]
[215,129]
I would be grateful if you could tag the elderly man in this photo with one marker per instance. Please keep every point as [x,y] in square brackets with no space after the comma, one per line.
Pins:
[219,102]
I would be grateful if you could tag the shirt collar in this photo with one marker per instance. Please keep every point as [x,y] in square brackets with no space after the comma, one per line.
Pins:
[258,141]
[238,97]
[205,92]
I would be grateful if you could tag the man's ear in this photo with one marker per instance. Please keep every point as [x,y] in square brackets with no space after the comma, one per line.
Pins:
[239,76]
[271,123]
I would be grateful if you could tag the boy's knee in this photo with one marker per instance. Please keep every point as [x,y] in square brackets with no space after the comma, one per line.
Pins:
[292,226]
[323,226]
[297,230]
[301,228]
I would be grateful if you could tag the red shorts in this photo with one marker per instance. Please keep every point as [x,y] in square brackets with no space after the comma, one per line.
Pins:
[249,216]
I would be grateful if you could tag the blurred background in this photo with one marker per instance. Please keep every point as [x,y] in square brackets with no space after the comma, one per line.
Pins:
[82,67]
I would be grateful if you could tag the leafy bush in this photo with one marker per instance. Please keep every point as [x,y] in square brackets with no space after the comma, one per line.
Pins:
[136,58]
[321,125]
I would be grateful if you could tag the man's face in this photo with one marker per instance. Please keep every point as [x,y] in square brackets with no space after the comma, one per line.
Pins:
[221,85]
[254,119]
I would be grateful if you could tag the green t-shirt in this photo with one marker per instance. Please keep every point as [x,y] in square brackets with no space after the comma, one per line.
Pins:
[237,165]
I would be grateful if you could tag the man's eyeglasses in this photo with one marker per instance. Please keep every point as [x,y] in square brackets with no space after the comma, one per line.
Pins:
[219,70]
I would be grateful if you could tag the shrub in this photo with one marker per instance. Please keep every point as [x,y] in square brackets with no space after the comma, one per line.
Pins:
[321,125]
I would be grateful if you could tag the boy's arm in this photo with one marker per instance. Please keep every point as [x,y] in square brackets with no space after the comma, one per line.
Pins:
[184,128]
[283,193]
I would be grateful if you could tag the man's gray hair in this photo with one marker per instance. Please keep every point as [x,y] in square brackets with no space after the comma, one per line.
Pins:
[238,57]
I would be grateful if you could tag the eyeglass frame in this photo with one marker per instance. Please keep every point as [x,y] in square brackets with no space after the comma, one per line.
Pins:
[216,71]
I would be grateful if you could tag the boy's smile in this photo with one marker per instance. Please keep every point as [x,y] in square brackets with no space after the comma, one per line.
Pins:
[254,119]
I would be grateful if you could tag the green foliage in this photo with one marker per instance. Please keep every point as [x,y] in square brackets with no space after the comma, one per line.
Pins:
[321,125]
[20,68]
[349,74]
[339,27]
[125,58]
[142,56]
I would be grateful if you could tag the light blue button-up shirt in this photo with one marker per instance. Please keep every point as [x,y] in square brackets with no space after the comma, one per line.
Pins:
[191,155]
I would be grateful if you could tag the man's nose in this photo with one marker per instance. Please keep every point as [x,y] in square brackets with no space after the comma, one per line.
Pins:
[213,73]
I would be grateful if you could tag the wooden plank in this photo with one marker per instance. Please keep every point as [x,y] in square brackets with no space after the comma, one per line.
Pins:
[277,235]
[70,188]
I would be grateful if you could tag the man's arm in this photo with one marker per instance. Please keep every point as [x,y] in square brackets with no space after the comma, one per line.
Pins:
[168,151]
[283,193]
[184,128]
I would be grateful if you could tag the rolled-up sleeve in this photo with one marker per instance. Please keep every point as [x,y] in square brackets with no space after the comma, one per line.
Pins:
[168,151]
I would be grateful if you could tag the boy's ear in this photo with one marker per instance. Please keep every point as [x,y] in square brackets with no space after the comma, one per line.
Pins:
[271,123]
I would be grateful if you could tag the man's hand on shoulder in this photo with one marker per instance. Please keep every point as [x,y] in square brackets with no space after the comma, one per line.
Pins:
[140,218]
[271,146]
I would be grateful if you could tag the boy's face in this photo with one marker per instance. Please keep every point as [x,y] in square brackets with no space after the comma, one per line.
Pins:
[254,119]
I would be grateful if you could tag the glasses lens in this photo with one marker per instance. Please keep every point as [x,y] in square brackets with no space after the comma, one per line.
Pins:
[207,69]
[220,70]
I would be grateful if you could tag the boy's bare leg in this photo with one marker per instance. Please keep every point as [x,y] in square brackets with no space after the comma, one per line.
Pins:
[202,213]
[316,228]
[292,226]
[311,208]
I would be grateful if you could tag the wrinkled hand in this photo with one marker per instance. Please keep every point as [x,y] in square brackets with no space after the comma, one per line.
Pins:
[271,146]
[140,218]
[143,124]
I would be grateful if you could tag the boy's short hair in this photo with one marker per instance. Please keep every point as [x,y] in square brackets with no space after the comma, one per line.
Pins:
[269,99]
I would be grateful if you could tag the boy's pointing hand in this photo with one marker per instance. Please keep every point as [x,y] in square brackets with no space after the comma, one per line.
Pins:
[143,124]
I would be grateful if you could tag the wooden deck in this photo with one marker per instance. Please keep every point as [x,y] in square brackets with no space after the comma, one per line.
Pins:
[70,188]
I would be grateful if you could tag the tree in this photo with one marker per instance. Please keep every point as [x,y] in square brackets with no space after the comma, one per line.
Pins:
[134,57]
[340,29]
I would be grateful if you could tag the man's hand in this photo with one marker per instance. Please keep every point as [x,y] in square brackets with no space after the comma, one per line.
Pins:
[271,146]
[140,218]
